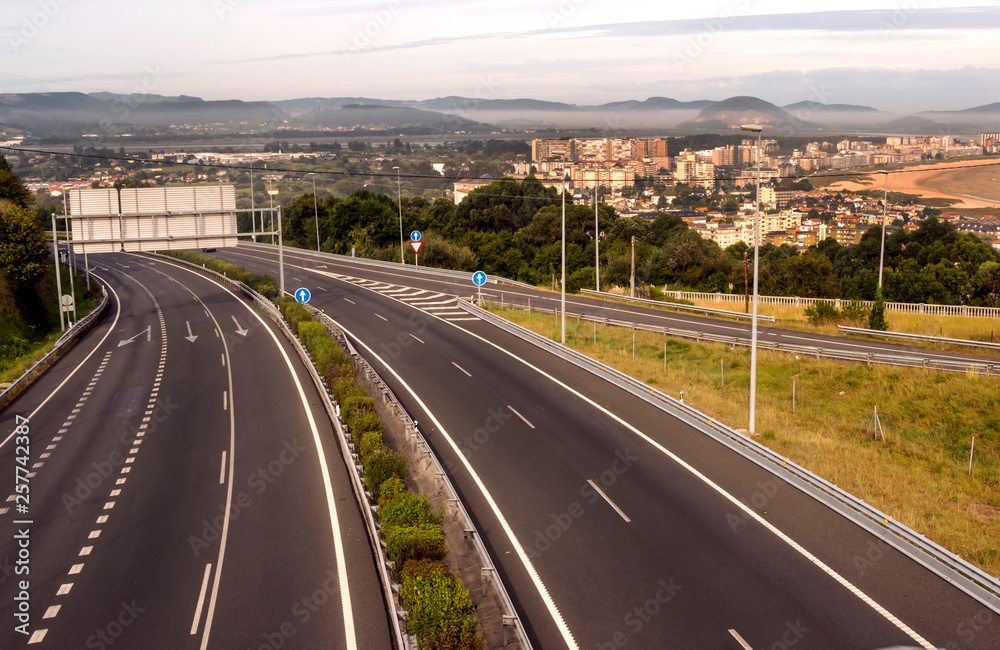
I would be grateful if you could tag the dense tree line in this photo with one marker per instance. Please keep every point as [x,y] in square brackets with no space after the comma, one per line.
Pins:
[512,229]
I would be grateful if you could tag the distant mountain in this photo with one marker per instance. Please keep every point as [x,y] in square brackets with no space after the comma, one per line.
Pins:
[817,107]
[988,108]
[733,112]
[656,104]
[297,106]
[912,123]
[381,116]
[524,105]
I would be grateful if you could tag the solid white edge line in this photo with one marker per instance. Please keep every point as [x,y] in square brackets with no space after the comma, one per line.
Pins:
[118,311]
[543,591]
[467,373]
[201,600]
[338,542]
[222,471]
[736,502]
[523,419]
[739,639]
[610,502]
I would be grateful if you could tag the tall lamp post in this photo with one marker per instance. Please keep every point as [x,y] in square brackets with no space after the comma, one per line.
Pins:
[885,214]
[315,209]
[597,243]
[253,208]
[399,201]
[754,128]
[562,287]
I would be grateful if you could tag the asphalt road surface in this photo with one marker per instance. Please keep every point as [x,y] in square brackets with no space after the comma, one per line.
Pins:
[614,524]
[186,490]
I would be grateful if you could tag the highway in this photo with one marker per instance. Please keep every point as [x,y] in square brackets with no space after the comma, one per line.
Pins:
[613,524]
[186,490]
[257,259]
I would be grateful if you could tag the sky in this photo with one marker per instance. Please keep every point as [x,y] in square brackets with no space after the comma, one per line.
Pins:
[897,56]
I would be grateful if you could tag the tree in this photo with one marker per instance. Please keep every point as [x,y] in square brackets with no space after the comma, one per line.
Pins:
[876,320]
[22,247]
[12,187]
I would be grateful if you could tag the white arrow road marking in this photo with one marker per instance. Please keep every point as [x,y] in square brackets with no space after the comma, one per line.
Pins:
[147,331]
[239,328]
[191,337]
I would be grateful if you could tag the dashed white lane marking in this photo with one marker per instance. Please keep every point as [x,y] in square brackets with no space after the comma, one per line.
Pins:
[64,588]
[37,636]
[523,419]
[86,550]
[467,373]
[75,569]
[222,471]
[739,639]
[610,502]
[51,611]
[416,338]
[201,600]
[382,317]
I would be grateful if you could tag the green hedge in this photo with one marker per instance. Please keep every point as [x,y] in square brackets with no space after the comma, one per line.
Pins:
[263,284]
[379,467]
[438,608]
[418,542]
[408,510]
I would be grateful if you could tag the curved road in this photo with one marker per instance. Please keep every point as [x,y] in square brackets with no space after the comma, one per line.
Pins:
[179,459]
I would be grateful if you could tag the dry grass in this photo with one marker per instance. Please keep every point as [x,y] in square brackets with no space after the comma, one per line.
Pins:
[918,476]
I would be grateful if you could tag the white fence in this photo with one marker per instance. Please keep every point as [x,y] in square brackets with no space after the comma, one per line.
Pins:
[795,301]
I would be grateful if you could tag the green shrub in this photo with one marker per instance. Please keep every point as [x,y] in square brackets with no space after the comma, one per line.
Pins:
[363,425]
[392,489]
[346,388]
[876,321]
[309,331]
[352,407]
[420,542]
[408,510]
[822,312]
[371,441]
[337,370]
[379,467]
[440,614]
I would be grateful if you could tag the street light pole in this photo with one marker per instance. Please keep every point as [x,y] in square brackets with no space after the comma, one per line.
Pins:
[563,284]
[55,250]
[270,214]
[399,201]
[597,244]
[253,210]
[315,209]
[885,214]
[754,128]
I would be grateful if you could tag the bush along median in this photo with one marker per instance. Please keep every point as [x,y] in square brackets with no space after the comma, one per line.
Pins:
[439,613]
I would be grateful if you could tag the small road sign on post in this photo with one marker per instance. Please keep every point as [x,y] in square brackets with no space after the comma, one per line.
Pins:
[415,235]
[479,279]
[302,295]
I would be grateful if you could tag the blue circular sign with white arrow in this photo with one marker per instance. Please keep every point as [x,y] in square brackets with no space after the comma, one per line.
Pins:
[302,295]
[479,278]
[415,235]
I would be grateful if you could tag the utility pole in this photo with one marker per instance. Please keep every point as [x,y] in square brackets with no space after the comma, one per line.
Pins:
[631,281]
[562,288]
[253,208]
[55,250]
[315,209]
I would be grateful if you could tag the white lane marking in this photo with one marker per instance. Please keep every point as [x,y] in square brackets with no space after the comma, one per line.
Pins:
[37,636]
[223,360]
[115,492]
[201,600]
[467,373]
[64,588]
[736,502]
[321,288]
[610,502]
[524,419]
[75,569]
[739,639]
[225,400]
[222,472]
[543,591]
[51,611]
[417,338]
[109,505]
[102,519]
[382,317]
[86,550]
[350,301]
[338,542]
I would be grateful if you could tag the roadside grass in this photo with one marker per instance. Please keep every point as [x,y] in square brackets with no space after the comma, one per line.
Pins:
[918,476]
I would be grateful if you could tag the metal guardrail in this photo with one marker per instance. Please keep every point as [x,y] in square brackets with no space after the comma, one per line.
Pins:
[905,361]
[798,301]
[401,642]
[961,574]
[426,270]
[918,337]
[678,306]
[62,345]
[417,440]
